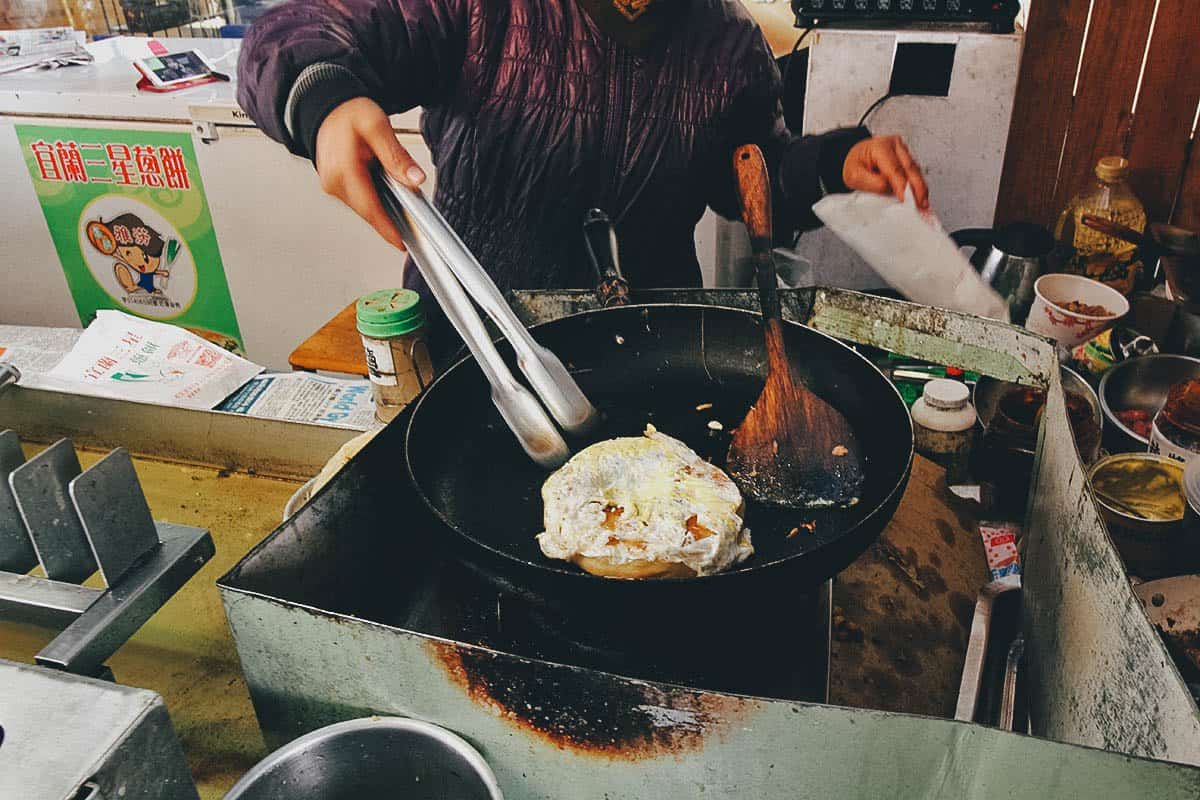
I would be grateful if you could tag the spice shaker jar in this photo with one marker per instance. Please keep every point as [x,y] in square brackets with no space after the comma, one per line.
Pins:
[944,427]
[1175,432]
[392,325]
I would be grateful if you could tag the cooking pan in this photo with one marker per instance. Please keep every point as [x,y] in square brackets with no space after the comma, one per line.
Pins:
[663,365]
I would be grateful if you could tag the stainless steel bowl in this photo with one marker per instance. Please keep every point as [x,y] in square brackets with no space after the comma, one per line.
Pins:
[988,392]
[1140,383]
[372,759]
[1150,548]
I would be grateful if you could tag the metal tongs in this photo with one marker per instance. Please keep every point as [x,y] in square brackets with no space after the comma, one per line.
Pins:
[449,268]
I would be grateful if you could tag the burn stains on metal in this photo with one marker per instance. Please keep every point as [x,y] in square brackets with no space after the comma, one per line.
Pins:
[587,712]
[944,530]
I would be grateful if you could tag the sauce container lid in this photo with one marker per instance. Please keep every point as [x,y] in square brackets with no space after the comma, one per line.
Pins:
[389,312]
[1182,408]
[946,395]
[1112,168]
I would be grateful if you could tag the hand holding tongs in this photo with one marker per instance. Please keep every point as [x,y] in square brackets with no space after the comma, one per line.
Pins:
[448,268]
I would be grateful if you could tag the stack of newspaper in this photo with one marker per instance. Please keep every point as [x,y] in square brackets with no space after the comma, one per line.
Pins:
[128,358]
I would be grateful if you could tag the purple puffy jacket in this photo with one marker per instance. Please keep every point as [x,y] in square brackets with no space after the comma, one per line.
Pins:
[534,115]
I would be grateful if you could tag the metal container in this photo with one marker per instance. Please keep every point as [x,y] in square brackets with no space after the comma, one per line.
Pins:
[1191,494]
[1140,383]
[1151,548]
[64,737]
[1004,456]
[987,396]
[337,617]
[369,759]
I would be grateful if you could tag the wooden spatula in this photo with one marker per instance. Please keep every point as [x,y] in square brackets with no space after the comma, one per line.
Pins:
[793,449]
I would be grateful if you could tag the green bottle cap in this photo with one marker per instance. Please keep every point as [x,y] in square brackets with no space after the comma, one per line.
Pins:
[389,312]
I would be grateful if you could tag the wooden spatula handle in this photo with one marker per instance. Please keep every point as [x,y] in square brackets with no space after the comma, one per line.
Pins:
[754,190]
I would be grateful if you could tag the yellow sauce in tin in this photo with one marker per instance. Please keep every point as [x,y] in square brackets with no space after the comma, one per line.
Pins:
[1151,486]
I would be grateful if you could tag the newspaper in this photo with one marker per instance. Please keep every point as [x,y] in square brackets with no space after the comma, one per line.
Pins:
[129,358]
[35,351]
[48,48]
[305,397]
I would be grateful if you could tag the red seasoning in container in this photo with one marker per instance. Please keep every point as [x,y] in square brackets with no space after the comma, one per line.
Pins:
[1175,432]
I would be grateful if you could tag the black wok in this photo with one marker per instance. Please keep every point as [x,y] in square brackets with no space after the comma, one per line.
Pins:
[655,364]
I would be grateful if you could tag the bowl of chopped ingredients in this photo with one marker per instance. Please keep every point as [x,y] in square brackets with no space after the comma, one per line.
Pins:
[1071,309]
[1133,391]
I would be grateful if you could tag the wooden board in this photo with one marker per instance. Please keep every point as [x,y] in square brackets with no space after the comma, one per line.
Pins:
[1041,111]
[1059,131]
[911,596]
[1169,96]
[335,347]
[1108,78]
[1187,215]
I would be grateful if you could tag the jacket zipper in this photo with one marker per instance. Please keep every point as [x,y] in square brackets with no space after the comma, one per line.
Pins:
[617,127]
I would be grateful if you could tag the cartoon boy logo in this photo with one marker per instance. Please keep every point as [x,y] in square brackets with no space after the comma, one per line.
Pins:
[141,253]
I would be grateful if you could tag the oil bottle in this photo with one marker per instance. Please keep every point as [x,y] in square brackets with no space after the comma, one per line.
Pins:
[1096,255]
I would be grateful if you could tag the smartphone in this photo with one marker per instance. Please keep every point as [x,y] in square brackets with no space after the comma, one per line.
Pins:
[172,69]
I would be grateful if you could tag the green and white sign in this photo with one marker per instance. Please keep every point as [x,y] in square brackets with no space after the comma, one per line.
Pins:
[127,213]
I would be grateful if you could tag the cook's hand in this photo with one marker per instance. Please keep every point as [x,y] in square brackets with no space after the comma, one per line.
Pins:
[354,137]
[883,165]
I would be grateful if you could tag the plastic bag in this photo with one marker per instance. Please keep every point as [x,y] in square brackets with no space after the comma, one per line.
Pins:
[909,250]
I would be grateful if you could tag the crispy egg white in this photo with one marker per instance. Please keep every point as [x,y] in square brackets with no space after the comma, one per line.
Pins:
[643,500]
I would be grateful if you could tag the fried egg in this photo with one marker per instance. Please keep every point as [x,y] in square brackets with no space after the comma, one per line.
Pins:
[643,507]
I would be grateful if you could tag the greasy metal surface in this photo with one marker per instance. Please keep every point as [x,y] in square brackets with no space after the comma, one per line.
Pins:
[903,608]
[88,641]
[114,513]
[942,337]
[309,668]
[61,731]
[16,551]
[212,438]
[1098,673]
[40,489]
[54,604]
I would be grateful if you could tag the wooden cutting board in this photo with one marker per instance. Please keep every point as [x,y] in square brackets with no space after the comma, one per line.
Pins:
[903,610]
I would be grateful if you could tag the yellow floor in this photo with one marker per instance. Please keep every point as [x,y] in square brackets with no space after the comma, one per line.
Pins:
[185,652]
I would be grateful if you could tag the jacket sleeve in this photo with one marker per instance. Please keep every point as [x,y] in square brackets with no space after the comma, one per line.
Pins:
[803,168]
[303,58]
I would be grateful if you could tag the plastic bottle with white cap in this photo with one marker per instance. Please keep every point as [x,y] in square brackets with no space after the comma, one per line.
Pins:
[944,426]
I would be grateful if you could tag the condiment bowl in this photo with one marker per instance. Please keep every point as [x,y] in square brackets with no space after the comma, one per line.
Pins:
[1051,318]
[1150,548]
[1139,383]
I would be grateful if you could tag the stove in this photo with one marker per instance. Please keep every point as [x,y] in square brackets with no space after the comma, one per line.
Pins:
[356,606]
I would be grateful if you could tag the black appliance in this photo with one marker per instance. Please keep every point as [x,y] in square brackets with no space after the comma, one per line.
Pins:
[1000,13]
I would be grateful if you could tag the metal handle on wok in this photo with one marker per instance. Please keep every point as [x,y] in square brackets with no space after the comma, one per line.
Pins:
[448,269]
